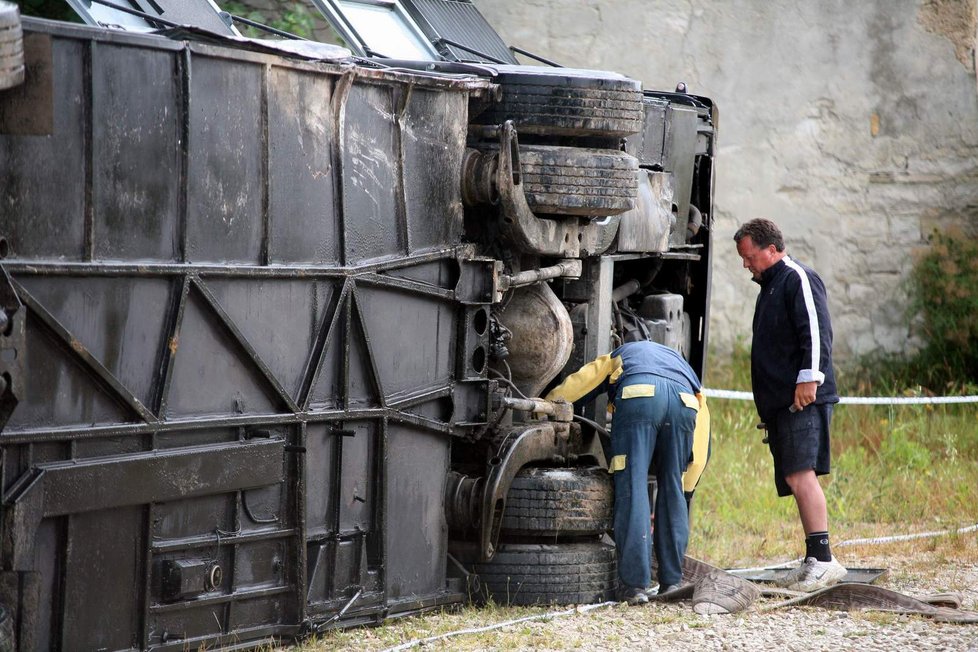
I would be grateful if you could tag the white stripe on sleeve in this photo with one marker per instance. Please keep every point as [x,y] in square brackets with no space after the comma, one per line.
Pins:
[806,290]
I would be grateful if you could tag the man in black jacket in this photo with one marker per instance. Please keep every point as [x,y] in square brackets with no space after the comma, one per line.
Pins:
[794,387]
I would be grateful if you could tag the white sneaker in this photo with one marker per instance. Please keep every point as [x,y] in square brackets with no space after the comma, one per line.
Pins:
[791,576]
[813,575]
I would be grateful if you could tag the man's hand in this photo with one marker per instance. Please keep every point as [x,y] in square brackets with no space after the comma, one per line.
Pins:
[804,395]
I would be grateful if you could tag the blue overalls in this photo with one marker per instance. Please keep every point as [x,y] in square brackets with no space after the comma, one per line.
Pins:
[651,428]
[656,415]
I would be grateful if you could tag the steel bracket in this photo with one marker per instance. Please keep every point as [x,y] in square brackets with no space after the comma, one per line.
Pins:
[531,443]
[519,224]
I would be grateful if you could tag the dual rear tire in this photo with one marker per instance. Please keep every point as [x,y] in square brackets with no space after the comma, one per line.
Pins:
[11,46]
[564,102]
[550,573]
[552,550]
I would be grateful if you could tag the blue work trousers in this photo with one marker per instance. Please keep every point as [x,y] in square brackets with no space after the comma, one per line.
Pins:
[648,429]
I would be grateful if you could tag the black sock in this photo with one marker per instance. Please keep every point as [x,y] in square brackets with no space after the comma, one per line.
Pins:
[817,546]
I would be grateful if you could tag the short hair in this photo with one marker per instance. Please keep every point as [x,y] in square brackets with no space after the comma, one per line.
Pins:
[761,232]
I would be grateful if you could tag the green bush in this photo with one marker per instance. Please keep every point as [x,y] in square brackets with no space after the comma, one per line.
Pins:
[944,292]
[943,288]
[51,9]
[289,15]
[292,17]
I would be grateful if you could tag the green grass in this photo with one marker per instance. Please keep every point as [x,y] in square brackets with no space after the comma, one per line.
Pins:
[399,631]
[896,469]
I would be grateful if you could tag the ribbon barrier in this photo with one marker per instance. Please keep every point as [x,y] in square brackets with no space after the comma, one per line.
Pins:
[488,628]
[855,400]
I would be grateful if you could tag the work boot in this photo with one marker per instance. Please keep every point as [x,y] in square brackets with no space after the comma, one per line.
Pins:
[633,595]
[813,575]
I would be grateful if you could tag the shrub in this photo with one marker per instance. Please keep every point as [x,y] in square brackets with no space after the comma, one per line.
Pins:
[51,9]
[944,293]
[292,17]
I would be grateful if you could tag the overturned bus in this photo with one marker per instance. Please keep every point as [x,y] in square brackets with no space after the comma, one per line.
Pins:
[277,317]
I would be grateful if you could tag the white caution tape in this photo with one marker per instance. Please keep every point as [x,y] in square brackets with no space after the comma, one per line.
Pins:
[856,400]
[478,630]
[860,542]
[907,537]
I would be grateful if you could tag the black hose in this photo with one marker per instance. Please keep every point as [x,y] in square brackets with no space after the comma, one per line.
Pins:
[593,424]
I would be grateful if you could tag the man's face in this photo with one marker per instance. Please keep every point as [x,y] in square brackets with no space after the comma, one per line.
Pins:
[757,259]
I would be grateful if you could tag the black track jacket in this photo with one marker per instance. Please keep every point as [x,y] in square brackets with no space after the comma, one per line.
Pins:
[792,338]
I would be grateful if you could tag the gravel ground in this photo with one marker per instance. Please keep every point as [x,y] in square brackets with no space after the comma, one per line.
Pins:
[676,626]
[807,628]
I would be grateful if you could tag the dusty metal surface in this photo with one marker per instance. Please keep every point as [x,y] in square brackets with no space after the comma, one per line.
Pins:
[231,355]
[542,337]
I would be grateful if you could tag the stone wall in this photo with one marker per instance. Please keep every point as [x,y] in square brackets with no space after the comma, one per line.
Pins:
[852,124]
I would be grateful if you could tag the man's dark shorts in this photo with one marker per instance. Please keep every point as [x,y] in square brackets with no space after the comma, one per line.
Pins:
[799,441]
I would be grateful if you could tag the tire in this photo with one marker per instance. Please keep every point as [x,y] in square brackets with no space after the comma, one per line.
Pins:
[555,503]
[564,573]
[564,102]
[578,181]
[11,46]
[9,14]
